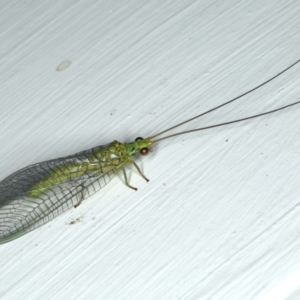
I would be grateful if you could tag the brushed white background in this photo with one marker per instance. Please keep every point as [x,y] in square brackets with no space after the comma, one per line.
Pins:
[220,217]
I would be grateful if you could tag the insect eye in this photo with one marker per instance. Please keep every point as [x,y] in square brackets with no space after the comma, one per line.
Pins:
[138,139]
[144,151]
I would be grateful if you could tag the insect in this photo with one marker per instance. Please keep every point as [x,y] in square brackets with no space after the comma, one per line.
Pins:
[38,193]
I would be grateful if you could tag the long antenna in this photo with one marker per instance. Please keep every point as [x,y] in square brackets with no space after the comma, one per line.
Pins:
[226,123]
[230,101]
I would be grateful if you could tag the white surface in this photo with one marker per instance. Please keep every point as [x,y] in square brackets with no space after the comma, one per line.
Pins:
[218,220]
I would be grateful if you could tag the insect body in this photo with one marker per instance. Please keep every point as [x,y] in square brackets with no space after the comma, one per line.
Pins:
[38,193]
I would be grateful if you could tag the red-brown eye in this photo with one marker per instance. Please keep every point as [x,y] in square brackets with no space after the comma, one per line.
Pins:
[144,151]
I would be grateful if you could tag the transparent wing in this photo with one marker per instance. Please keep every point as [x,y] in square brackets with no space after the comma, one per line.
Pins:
[21,213]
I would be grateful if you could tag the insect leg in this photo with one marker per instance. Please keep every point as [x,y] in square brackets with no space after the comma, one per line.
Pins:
[140,172]
[81,193]
[126,180]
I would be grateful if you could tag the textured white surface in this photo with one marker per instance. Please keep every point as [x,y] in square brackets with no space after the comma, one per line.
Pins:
[220,217]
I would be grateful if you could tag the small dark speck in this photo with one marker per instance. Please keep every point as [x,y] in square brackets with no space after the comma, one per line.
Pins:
[74,221]
[226,140]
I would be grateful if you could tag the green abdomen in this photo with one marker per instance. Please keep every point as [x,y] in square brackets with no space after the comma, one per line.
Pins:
[86,164]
